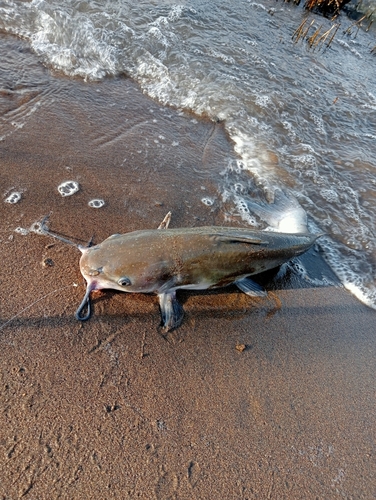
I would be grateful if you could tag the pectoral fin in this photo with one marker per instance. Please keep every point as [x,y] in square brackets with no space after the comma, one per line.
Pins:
[171,311]
[251,288]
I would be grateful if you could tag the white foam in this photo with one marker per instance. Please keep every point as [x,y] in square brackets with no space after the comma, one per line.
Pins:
[244,212]
[347,46]
[365,294]
[263,101]
[13,198]
[21,230]
[354,272]
[68,188]
[329,195]
[96,203]
[319,122]
[207,201]
[296,266]
[36,227]
[290,128]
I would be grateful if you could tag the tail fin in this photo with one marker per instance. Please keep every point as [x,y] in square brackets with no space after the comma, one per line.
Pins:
[284,214]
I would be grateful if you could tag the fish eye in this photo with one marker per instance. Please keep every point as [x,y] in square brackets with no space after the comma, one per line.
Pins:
[124,281]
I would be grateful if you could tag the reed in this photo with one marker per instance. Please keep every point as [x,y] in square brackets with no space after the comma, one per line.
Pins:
[318,38]
[321,37]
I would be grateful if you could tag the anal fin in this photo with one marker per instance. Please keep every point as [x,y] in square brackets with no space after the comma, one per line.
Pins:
[251,288]
[171,311]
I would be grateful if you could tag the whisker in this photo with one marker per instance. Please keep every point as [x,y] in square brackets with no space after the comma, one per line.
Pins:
[35,302]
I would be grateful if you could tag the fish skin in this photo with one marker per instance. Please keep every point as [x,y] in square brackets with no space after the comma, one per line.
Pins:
[163,261]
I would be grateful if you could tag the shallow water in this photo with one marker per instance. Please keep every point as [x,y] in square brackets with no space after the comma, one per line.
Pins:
[301,120]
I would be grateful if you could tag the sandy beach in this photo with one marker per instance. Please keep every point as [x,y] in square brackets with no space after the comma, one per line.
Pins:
[269,398]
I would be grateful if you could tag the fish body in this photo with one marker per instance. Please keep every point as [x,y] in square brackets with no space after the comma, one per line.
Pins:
[164,260]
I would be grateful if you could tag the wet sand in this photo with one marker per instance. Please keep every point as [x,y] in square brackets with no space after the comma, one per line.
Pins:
[249,398]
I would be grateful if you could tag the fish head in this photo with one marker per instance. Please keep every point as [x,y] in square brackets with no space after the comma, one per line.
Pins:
[119,263]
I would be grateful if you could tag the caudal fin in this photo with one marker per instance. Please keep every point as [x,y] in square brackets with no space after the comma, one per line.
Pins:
[284,214]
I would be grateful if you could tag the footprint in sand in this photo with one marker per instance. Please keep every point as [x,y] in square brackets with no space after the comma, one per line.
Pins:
[193,473]
[167,486]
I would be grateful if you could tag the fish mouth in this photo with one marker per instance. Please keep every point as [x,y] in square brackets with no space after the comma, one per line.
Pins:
[92,284]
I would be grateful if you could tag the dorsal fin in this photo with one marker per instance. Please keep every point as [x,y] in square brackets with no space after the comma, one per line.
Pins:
[166,221]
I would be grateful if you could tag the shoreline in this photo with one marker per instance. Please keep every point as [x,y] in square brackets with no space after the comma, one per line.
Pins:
[111,408]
